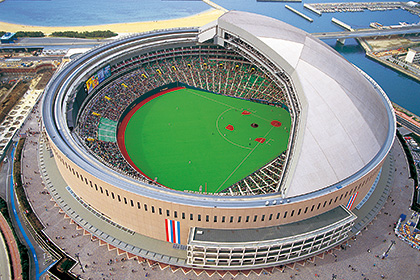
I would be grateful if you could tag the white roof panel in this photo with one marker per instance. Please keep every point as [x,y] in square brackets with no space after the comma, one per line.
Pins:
[346,122]
[282,46]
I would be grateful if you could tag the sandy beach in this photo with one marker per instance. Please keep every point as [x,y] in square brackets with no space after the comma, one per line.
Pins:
[131,27]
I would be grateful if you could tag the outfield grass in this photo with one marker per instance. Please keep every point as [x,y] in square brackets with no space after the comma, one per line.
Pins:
[189,138]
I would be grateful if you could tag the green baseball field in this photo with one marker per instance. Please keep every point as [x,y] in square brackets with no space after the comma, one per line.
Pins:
[188,139]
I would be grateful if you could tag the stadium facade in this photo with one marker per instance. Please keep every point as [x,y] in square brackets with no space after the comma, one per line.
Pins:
[296,206]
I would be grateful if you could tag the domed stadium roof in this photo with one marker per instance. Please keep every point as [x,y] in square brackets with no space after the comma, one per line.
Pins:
[345,122]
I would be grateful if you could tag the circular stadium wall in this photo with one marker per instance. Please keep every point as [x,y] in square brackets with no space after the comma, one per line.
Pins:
[342,127]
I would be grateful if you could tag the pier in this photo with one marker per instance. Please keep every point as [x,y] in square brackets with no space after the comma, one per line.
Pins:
[299,13]
[215,6]
[342,24]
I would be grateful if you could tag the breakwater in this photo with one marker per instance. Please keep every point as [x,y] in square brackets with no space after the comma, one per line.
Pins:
[299,13]
[342,24]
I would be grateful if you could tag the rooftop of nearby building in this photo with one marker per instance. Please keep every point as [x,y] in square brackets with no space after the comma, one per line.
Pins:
[7,36]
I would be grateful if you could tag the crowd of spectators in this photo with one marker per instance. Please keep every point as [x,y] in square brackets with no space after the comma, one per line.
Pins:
[209,68]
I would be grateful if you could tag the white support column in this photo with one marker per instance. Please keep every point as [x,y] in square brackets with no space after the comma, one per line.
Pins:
[341,41]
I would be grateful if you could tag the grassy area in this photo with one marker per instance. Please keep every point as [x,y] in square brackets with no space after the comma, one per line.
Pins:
[9,101]
[200,141]
[85,34]
[69,34]
[26,34]
[36,34]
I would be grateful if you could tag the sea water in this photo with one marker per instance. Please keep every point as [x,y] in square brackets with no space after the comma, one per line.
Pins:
[400,89]
[89,12]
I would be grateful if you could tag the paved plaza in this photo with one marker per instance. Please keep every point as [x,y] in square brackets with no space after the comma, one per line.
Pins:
[359,259]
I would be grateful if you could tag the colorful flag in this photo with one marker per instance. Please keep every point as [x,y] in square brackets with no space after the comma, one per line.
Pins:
[351,201]
[173,231]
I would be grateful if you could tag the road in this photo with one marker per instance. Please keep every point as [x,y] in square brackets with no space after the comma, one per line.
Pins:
[32,58]
[408,125]
[368,33]
[54,41]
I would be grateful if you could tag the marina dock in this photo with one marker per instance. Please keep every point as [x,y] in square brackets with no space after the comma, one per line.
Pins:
[355,6]
[312,9]
[342,24]
[299,13]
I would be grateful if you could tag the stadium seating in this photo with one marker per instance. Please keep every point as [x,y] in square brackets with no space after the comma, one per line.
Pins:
[206,67]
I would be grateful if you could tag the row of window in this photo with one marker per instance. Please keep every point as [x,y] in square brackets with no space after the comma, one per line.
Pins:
[214,219]
[204,255]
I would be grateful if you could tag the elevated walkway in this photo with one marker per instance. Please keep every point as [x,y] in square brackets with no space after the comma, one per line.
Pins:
[368,33]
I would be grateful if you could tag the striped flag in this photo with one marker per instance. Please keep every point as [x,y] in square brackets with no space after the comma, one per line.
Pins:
[351,201]
[173,231]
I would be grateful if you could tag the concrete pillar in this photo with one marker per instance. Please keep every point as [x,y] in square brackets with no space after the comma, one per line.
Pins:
[341,41]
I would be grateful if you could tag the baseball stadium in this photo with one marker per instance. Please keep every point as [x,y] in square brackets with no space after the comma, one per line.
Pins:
[242,144]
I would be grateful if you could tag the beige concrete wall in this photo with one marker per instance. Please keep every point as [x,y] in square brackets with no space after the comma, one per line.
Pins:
[153,224]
